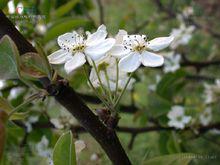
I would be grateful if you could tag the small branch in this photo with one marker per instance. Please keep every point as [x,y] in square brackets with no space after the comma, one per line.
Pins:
[134,130]
[101,11]
[130,145]
[199,65]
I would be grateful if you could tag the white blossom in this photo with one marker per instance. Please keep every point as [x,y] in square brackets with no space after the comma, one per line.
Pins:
[75,48]
[15,92]
[188,11]
[177,117]
[94,157]
[30,120]
[2,84]
[63,121]
[41,28]
[138,48]
[108,66]
[212,92]
[182,35]
[206,116]
[43,149]
[172,62]
[11,7]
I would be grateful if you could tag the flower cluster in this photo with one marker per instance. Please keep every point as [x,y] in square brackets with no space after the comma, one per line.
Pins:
[131,50]
[111,59]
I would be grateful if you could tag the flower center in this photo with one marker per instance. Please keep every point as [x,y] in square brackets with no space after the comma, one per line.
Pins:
[139,48]
[78,48]
[179,118]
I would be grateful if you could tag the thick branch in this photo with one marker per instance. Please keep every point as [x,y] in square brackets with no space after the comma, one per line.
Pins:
[69,99]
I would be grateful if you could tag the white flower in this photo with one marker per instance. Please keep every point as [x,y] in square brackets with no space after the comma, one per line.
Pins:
[94,157]
[118,50]
[41,28]
[109,64]
[11,7]
[15,92]
[172,62]
[138,48]
[75,49]
[63,121]
[2,84]
[42,147]
[31,120]
[79,146]
[212,92]
[206,117]
[177,118]
[182,35]
[188,11]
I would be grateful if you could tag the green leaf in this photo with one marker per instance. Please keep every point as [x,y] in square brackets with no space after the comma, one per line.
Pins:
[34,65]
[64,150]
[7,107]
[64,25]
[4,105]
[173,159]
[158,105]
[3,4]
[9,59]
[44,59]
[170,84]
[64,9]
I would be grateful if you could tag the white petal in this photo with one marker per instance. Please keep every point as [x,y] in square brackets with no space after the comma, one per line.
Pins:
[119,37]
[97,37]
[99,50]
[186,119]
[67,40]
[160,43]
[130,62]
[59,57]
[151,59]
[118,51]
[77,60]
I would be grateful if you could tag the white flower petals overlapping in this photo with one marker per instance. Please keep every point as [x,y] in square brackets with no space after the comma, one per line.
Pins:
[131,50]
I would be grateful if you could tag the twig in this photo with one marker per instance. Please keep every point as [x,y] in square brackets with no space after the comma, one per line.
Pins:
[101,11]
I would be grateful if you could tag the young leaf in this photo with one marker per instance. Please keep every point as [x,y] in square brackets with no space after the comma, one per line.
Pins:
[44,59]
[64,150]
[173,159]
[9,59]
[34,65]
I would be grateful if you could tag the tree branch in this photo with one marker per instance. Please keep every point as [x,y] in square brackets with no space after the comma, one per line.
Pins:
[67,97]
